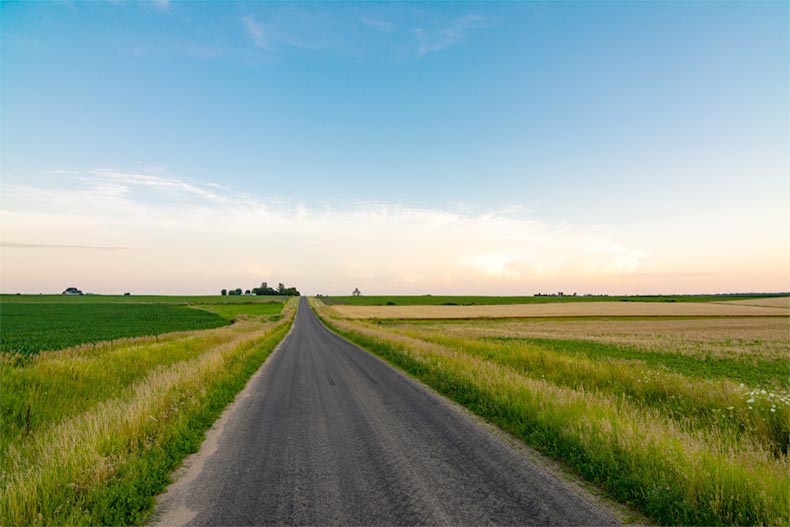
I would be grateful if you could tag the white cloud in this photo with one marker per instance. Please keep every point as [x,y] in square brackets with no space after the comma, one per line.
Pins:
[196,237]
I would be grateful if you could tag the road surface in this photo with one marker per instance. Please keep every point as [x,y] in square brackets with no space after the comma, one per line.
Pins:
[327,434]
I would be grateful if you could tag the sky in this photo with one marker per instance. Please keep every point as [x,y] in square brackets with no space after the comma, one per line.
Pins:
[401,148]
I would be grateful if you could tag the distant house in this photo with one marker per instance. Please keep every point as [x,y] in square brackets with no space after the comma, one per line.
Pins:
[356,292]
[71,291]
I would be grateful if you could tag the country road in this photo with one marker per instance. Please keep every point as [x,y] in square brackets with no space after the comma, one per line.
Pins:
[327,434]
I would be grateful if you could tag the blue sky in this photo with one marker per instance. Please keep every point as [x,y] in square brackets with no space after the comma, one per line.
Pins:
[653,127]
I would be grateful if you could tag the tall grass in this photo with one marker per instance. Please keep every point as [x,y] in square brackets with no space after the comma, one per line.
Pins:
[104,462]
[673,472]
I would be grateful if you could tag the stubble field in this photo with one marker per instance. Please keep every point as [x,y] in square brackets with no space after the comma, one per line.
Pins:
[685,417]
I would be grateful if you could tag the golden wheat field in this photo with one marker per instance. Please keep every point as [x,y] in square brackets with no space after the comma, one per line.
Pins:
[773,307]
[779,301]
[703,338]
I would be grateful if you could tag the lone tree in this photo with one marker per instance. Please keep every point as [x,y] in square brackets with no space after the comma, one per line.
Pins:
[356,292]
[224,292]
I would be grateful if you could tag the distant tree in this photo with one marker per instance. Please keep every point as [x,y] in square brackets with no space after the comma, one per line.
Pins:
[281,288]
[224,292]
[127,294]
[247,292]
[264,289]
[238,291]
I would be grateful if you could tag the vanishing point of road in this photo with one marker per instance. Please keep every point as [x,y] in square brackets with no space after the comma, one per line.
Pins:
[327,434]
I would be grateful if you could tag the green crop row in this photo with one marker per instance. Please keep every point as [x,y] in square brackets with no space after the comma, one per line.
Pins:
[31,328]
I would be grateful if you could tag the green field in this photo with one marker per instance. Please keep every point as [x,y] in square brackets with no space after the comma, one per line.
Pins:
[430,300]
[687,419]
[89,435]
[31,328]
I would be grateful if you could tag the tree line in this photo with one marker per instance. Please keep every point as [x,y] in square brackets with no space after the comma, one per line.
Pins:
[264,289]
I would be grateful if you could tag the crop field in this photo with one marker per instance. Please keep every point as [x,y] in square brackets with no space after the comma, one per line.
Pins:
[90,434]
[567,309]
[685,418]
[430,300]
[31,328]
[33,323]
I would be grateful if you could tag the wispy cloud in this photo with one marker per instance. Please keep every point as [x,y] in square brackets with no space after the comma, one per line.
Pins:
[256,32]
[362,32]
[378,24]
[446,35]
[123,182]
[312,29]
[13,245]
[266,34]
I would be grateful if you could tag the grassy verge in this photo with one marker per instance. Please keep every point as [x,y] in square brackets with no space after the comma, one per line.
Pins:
[674,473]
[232,311]
[104,462]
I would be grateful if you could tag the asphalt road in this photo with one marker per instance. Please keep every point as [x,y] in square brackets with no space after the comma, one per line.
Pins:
[327,434]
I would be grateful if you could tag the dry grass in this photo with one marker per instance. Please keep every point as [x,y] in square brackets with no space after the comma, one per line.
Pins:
[571,309]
